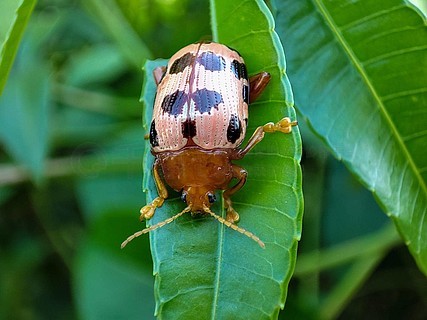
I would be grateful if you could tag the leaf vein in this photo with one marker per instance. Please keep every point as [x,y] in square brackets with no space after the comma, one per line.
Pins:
[269,154]
[359,137]
[414,204]
[248,34]
[404,93]
[258,206]
[379,163]
[255,273]
[390,54]
[402,177]
[415,135]
[273,181]
[420,230]
[182,292]
[370,17]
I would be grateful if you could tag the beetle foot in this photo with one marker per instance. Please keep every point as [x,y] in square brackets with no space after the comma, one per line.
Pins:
[232,216]
[285,125]
[148,210]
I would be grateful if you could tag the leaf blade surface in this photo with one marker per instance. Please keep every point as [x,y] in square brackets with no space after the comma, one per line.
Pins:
[359,72]
[203,269]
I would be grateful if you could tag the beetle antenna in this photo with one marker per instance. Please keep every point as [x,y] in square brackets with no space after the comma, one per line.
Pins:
[235,227]
[153,227]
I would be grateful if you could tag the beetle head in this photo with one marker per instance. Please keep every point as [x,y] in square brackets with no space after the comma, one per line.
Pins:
[197,198]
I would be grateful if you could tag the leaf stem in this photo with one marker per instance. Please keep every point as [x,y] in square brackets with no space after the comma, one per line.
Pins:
[377,242]
[336,301]
[113,20]
[96,101]
[311,242]
[68,166]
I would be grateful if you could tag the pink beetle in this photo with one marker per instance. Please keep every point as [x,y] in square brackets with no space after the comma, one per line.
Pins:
[199,121]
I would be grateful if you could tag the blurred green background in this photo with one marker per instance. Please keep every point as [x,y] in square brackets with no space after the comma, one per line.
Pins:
[71,175]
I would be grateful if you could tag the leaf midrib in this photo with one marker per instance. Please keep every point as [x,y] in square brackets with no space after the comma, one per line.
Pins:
[341,40]
[214,28]
[220,248]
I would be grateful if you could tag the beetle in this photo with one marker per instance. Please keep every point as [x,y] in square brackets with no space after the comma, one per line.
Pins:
[199,121]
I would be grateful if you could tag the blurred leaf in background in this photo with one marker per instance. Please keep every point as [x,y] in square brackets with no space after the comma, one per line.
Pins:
[24,118]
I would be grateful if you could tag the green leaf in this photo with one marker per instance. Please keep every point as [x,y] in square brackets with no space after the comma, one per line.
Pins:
[110,283]
[113,20]
[359,71]
[14,15]
[85,67]
[109,287]
[204,270]
[25,112]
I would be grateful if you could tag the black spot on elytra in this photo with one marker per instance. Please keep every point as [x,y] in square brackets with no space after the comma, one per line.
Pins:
[239,70]
[181,63]
[246,94]
[173,103]
[189,128]
[211,61]
[154,139]
[234,129]
[205,100]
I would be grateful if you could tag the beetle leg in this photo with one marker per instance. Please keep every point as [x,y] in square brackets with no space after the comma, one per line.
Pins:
[240,174]
[285,125]
[148,210]
[158,74]
[257,84]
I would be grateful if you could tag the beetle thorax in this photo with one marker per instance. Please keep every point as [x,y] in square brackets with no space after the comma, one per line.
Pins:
[197,174]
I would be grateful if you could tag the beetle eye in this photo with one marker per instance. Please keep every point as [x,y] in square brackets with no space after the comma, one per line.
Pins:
[211,197]
[184,197]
